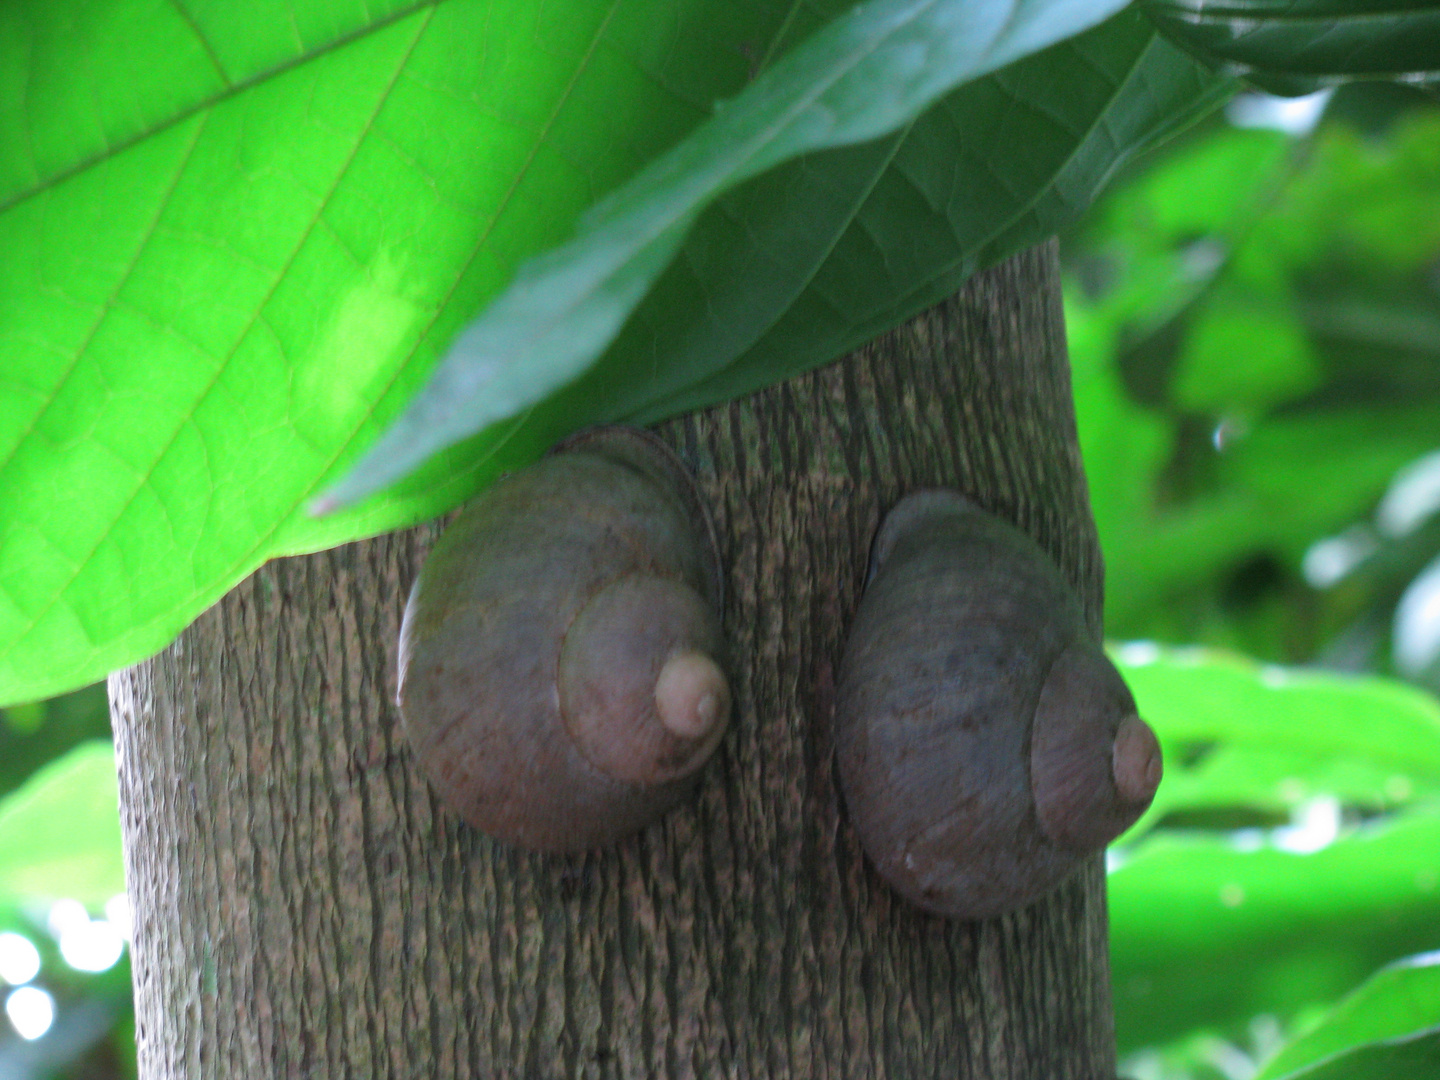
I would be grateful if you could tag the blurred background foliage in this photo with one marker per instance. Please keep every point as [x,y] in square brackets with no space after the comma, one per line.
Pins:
[1254,320]
[1254,315]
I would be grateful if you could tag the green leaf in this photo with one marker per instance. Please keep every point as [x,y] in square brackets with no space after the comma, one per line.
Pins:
[176,483]
[1398,1059]
[1242,355]
[216,273]
[1202,702]
[862,76]
[60,831]
[1215,877]
[997,165]
[1398,1003]
[1292,46]
[1271,931]
[37,732]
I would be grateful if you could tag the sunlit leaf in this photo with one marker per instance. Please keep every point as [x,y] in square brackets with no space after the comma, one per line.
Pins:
[1242,356]
[172,488]
[1201,703]
[1205,933]
[1232,872]
[60,831]
[1400,1002]
[1396,1059]
[217,268]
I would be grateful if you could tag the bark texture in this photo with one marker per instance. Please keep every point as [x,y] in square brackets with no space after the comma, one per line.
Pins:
[305,908]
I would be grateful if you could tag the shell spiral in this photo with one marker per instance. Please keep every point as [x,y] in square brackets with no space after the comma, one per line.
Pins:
[559,681]
[985,742]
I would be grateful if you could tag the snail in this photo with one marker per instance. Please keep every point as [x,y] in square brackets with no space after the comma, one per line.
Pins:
[558,679]
[985,743]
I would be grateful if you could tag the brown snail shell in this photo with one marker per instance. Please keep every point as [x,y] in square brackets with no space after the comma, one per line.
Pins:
[985,742]
[558,674]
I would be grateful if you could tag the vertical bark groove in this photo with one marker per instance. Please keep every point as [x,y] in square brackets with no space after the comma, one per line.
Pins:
[304,907]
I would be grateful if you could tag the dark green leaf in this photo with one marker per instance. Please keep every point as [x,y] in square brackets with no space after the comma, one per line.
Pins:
[862,76]
[1293,46]
[998,165]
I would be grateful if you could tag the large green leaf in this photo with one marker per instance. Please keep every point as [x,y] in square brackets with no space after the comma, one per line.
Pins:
[1247,745]
[1398,1003]
[1206,932]
[1292,46]
[218,268]
[1202,702]
[178,482]
[997,165]
[60,831]
[1216,878]
[864,75]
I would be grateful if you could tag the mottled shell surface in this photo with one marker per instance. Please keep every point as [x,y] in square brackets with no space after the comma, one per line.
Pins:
[976,718]
[535,640]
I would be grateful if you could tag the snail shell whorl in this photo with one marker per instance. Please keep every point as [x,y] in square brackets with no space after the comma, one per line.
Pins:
[985,742]
[558,679]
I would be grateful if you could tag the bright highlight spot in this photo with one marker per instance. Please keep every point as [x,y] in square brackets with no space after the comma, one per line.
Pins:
[1329,560]
[1137,653]
[92,947]
[1247,840]
[1414,496]
[1316,826]
[1227,433]
[117,914]
[65,914]
[19,959]
[1293,116]
[1399,789]
[86,944]
[1417,623]
[1274,677]
[31,1011]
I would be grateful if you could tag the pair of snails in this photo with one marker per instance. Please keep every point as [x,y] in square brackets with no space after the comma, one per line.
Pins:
[983,751]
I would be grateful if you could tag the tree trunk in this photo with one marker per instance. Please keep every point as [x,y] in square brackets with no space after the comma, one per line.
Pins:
[305,907]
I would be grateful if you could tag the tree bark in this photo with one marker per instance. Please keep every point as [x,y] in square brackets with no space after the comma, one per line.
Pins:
[305,907]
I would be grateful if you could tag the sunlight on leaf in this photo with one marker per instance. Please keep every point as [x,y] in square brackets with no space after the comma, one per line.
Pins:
[1400,1001]
[60,831]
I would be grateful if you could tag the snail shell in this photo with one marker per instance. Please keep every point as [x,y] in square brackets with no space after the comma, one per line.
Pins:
[985,742]
[558,680]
